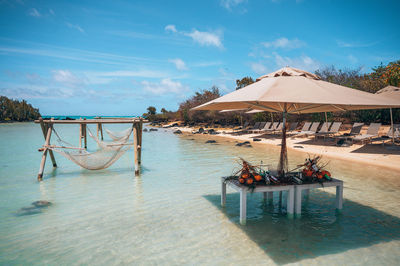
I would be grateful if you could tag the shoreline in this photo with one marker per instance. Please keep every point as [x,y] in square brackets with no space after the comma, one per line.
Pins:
[371,154]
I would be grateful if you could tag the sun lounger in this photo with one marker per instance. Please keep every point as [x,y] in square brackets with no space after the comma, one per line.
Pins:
[292,127]
[305,127]
[332,131]
[265,127]
[272,128]
[388,135]
[372,132]
[396,131]
[355,130]
[311,131]
[260,126]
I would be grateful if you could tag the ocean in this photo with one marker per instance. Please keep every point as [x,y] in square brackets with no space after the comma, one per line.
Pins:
[171,213]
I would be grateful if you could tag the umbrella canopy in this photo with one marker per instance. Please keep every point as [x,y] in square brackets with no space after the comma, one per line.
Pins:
[303,92]
[390,92]
[291,90]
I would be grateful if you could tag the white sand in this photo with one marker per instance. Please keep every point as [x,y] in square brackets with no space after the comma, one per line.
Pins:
[371,154]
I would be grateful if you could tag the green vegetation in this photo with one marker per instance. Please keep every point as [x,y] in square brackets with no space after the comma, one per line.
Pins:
[14,110]
[379,78]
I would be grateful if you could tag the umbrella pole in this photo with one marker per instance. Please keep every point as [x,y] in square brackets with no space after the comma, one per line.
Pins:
[283,160]
[326,120]
[391,122]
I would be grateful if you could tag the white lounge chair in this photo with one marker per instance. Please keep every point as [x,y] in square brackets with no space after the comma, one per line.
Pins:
[311,131]
[332,131]
[372,132]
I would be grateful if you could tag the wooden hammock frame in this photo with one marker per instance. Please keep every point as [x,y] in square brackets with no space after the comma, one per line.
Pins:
[47,129]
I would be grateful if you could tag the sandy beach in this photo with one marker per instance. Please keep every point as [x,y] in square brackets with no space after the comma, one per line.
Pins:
[375,153]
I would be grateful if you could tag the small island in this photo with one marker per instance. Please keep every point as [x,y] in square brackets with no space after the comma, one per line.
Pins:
[17,111]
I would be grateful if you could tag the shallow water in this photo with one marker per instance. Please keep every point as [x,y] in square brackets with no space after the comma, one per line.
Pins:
[171,214]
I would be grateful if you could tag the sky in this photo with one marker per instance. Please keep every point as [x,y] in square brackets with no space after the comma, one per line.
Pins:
[119,57]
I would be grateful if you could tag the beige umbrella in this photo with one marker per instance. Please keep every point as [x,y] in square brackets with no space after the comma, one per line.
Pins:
[390,92]
[291,90]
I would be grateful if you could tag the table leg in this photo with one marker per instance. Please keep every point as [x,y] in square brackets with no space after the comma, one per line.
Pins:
[339,197]
[223,194]
[243,198]
[298,200]
[290,201]
[270,196]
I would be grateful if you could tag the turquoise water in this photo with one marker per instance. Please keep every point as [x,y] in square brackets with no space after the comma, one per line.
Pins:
[171,214]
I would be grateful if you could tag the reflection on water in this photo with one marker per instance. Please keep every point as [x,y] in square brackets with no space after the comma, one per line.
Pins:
[171,212]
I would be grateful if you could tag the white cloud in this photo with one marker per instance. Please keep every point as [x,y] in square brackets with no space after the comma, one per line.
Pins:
[66,77]
[34,13]
[165,86]
[229,4]
[303,62]
[205,38]
[179,64]
[129,73]
[51,11]
[354,44]
[284,43]
[171,28]
[76,27]
[259,68]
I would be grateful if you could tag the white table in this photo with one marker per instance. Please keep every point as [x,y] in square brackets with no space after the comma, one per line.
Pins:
[334,183]
[243,190]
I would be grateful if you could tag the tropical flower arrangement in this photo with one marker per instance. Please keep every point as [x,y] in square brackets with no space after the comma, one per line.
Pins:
[312,171]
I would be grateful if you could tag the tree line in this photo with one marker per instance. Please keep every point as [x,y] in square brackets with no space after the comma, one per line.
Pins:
[380,77]
[15,110]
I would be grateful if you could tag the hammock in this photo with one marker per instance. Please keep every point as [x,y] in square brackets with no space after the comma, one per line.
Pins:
[117,136]
[112,145]
[100,159]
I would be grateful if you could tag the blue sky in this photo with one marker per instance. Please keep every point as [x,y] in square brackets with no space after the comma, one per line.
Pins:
[119,57]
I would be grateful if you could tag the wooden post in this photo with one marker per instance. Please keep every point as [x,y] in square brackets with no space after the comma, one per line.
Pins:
[140,142]
[44,156]
[84,136]
[101,130]
[80,135]
[136,147]
[44,130]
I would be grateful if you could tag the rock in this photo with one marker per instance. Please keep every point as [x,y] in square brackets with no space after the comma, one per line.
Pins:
[245,144]
[256,139]
[177,132]
[41,203]
[153,129]
[28,211]
[201,130]
[145,130]
[211,141]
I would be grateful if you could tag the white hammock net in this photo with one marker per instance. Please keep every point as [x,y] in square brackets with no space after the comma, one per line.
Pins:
[107,154]
[117,136]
